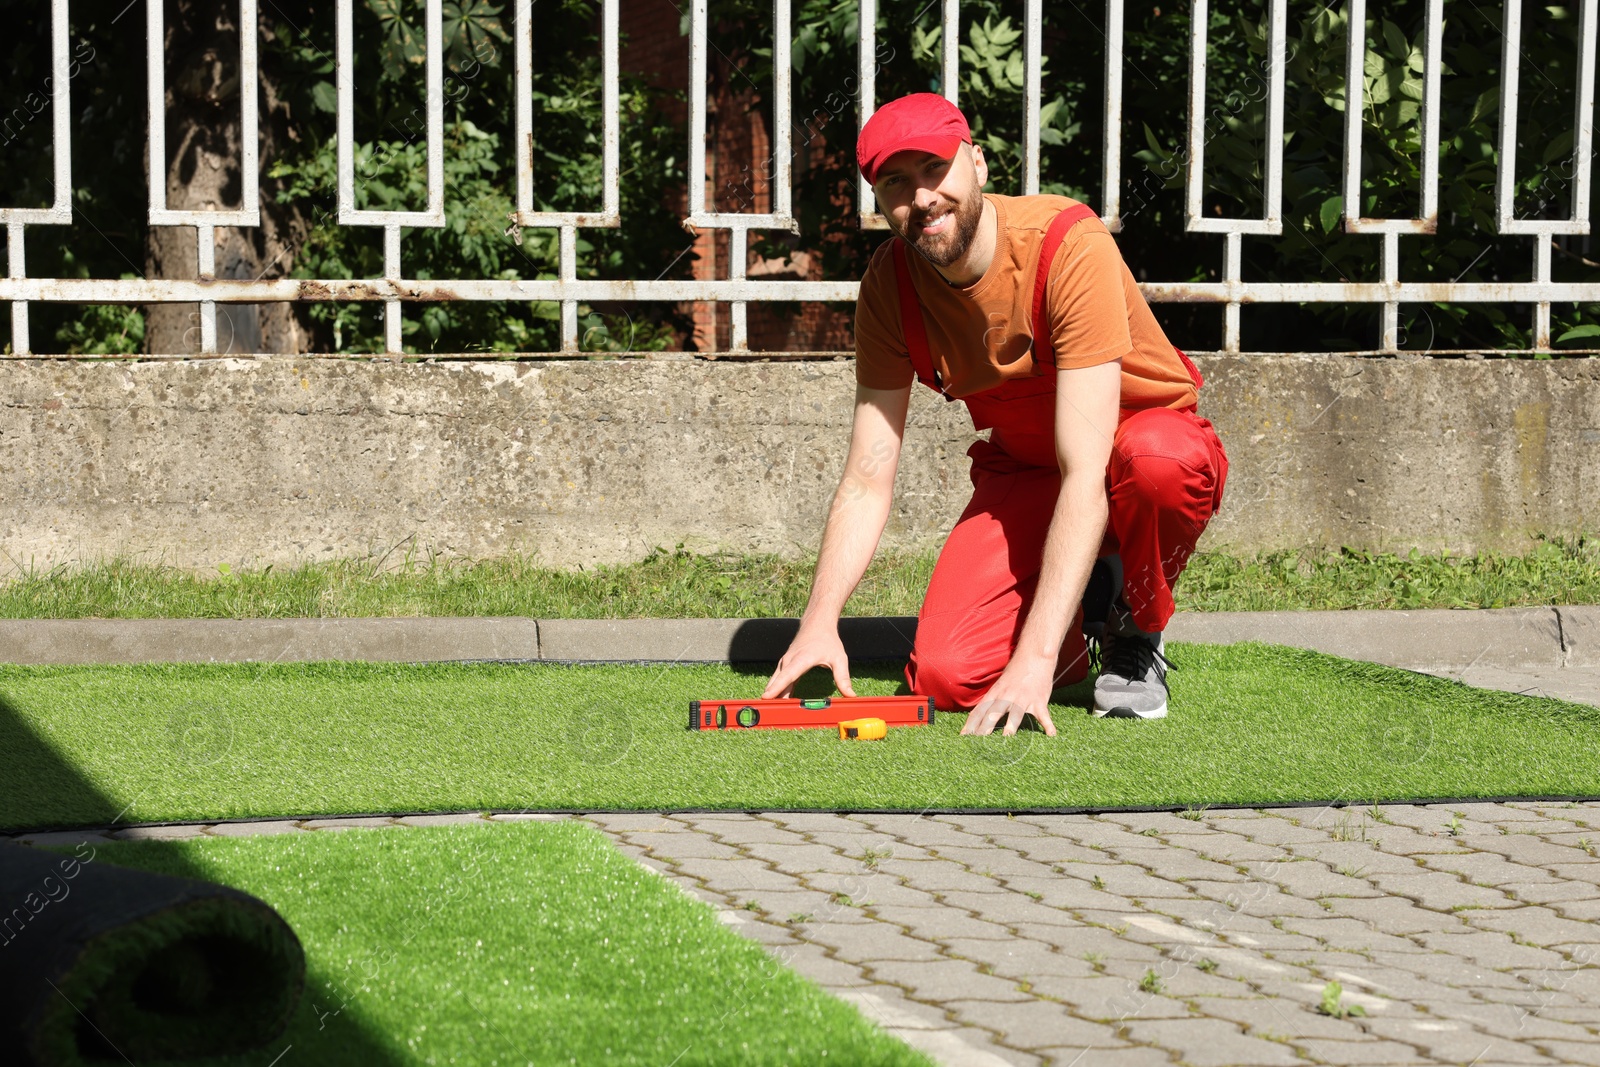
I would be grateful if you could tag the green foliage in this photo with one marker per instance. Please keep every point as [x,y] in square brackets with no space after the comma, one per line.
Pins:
[296,66]
[102,330]
[825,95]
[1312,246]
[480,179]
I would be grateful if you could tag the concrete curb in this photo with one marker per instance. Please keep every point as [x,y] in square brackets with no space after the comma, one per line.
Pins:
[1522,638]
[75,641]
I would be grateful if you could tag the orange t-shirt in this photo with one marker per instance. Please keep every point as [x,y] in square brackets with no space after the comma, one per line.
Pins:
[980,336]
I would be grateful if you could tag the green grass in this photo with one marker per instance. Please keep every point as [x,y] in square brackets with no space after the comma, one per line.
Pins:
[1251,724]
[514,943]
[682,585]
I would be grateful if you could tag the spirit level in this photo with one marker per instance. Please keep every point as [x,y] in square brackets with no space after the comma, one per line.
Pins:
[791,713]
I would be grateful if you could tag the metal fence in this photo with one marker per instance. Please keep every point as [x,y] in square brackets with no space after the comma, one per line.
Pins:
[395,291]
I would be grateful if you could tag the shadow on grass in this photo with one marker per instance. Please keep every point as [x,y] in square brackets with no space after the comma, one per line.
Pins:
[35,779]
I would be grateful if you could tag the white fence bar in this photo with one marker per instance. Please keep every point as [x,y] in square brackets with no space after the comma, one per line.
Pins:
[59,213]
[394,290]
[274,290]
[866,103]
[204,221]
[1544,230]
[568,222]
[950,38]
[391,221]
[1032,30]
[1427,219]
[17,267]
[779,172]
[1271,221]
[1111,142]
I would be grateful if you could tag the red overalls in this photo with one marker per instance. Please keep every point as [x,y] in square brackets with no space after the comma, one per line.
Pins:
[1163,484]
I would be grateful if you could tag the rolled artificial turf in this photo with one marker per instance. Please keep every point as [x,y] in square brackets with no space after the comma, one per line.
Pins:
[99,962]
[513,943]
[1250,724]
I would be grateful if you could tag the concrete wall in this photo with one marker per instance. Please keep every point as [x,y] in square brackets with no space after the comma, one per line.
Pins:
[282,459]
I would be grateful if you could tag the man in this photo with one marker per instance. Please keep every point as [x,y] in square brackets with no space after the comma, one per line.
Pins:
[1096,451]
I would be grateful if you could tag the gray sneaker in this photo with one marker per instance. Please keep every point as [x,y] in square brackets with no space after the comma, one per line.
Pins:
[1133,676]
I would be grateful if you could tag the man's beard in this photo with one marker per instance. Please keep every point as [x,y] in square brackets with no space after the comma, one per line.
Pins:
[943,249]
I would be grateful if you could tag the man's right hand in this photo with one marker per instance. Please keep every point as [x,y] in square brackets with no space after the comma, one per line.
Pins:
[813,646]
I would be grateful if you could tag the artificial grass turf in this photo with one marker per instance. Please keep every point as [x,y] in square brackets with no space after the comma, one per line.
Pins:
[1251,724]
[513,943]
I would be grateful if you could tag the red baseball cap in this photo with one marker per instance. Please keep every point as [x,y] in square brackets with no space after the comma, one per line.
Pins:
[921,122]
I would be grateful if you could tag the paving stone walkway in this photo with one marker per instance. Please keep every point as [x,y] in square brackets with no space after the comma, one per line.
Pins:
[1460,934]
[1465,934]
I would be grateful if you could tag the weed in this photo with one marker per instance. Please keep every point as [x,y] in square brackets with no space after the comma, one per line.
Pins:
[1587,845]
[871,856]
[1454,827]
[1333,1003]
[1120,929]
[1377,814]
[800,916]
[750,905]
[1094,959]
[1035,896]
[1193,814]
[843,900]
[1150,832]
[1098,883]
[1353,872]
[1347,830]
[1277,922]
[1150,983]
[1206,965]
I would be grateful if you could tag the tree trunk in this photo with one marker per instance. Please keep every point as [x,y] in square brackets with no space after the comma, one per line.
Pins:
[202,172]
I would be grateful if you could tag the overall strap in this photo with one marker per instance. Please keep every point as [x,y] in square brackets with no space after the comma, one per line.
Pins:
[911,324]
[1043,348]
[1044,354]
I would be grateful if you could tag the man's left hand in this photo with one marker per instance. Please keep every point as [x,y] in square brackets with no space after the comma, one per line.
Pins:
[1023,689]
